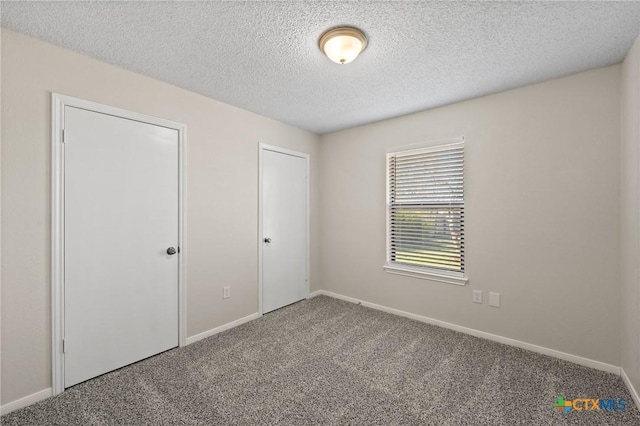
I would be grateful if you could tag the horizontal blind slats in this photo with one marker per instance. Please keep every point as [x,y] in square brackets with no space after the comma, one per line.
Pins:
[417,198]
[418,228]
[421,227]
[433,206]
[454,266]
[434,239]
[431,254]
[425,191]
[441,168]
[442,238]
[435,167]
[429,155]
[402,255]
[426,208]
[431,177]
[453,162]
[401,185]
[417,248]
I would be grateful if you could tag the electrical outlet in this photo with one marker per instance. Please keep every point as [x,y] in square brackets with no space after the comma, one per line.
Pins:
[494,300]
[477,296]
[226,292]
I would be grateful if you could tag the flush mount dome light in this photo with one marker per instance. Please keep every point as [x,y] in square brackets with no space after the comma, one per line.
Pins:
[343,44]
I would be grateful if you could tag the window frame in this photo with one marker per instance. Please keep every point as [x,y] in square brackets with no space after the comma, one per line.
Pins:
[422,272]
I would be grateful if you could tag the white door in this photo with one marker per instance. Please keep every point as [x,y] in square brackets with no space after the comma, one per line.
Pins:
[284,225]
[121,206]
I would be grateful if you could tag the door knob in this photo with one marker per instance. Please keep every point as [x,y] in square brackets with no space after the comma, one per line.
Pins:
[267,240]
[171,250]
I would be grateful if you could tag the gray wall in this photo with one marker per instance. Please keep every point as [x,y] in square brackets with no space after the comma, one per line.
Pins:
[222,194]
[630,214]
[542,202]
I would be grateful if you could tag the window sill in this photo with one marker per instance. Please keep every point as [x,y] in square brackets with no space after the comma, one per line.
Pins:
[426,274]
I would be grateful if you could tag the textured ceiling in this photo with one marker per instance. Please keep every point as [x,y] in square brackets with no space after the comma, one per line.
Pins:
[263,56]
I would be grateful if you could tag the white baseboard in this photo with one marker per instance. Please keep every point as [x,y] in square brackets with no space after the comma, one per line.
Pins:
[489,336]
[27,400]
[46,393]
[222,328]
[632,390]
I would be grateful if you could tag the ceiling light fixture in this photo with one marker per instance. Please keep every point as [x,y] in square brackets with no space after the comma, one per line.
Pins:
[343,44]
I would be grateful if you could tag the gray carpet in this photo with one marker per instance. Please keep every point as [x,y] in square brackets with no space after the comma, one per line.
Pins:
[325,361]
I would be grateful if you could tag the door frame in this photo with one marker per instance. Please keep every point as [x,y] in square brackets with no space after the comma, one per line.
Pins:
[58,104]
[261,148]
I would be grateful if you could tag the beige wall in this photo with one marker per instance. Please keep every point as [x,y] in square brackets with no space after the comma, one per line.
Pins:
[542,202]
[543,194]
[630,214]
[222,185]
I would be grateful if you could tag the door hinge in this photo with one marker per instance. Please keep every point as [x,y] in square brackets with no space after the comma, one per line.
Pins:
[62,135]
[64,346]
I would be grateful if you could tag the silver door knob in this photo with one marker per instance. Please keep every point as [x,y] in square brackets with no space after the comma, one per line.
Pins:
[171,250]
[267,240]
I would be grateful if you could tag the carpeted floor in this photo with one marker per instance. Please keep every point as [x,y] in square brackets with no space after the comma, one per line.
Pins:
[324,362]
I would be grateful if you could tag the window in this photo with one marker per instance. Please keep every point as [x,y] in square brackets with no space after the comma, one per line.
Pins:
[425,213]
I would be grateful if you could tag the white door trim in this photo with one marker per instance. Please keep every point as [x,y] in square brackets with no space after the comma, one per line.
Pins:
[58,102]
[261,148]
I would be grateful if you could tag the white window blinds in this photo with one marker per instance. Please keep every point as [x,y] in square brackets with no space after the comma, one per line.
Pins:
[426,208]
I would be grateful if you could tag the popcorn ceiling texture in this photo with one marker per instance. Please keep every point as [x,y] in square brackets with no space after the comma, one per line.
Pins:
[263,56]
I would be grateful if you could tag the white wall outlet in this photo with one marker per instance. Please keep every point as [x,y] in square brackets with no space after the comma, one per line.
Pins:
[494,299]
[226,292]
[477,296]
